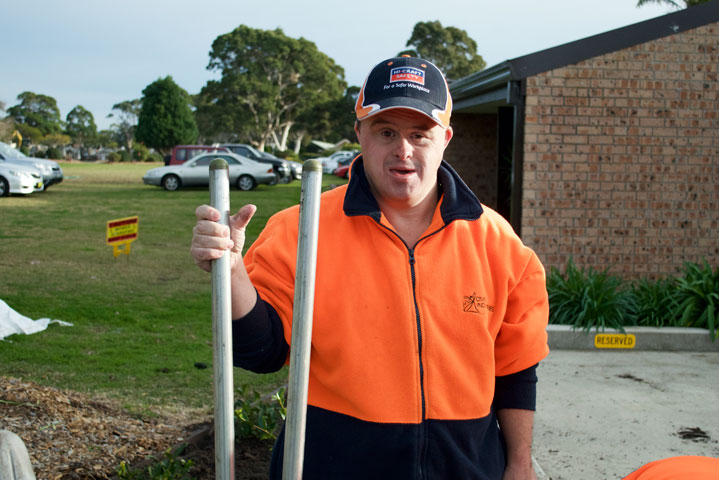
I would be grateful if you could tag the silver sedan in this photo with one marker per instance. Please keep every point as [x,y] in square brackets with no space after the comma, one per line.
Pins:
[245,174]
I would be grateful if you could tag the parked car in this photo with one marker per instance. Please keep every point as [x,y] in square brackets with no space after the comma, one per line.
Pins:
[49,169]
[296,168]
[282,168]
[182,153]
[245,174]
[343,171]
[19,179]
[329,164]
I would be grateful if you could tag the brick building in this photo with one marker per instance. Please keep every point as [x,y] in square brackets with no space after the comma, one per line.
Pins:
[605,149]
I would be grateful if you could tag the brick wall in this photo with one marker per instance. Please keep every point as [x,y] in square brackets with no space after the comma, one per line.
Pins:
[473,153]
[621,158]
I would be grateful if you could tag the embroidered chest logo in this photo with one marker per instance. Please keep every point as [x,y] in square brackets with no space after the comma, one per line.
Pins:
[474,304]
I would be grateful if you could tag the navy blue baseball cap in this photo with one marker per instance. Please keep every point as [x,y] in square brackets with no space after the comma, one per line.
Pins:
[409,83]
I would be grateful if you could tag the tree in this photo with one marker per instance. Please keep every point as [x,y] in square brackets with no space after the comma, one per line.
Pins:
[124,129]
[267,81]
[450,48]
[687,3]
[165,118]
[37,111]
[6,125]
[80,125]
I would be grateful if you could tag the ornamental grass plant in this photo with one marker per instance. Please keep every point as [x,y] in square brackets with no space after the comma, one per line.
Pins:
[697,298]
[589,299]
[655,302]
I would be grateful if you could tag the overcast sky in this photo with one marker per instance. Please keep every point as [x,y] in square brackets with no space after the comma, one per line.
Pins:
[97,53]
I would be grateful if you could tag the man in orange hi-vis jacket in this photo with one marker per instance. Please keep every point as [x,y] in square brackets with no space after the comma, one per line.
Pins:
[424,362]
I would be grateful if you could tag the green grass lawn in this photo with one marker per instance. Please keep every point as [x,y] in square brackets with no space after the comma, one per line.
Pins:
[140,321]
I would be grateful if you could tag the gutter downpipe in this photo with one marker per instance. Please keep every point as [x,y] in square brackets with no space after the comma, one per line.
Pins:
[516,96]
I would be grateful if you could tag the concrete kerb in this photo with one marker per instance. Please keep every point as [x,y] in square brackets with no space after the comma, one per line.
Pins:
[673,339]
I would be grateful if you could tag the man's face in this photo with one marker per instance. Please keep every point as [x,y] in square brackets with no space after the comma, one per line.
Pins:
[402,151]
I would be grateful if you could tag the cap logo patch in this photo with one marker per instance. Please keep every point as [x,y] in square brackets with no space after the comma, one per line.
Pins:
[406,74]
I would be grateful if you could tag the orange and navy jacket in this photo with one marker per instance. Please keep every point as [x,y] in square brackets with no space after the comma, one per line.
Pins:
[408,341]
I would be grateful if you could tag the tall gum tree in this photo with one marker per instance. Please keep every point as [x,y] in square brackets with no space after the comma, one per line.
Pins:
[450,48]
[267,80]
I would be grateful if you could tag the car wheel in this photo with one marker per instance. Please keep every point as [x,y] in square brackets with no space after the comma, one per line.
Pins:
[4,187]
[245,183]
[171,182]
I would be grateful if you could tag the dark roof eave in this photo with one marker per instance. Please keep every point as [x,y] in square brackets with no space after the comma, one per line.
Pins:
[485,83]
[614,40]
[481,82]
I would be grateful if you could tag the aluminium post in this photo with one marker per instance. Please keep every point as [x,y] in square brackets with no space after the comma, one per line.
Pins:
[302,320]
[222,332]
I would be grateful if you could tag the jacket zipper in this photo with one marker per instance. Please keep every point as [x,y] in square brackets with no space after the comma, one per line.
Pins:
[422,443]
[422,434]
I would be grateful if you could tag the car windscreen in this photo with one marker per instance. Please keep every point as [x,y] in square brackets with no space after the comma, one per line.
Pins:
[8,152]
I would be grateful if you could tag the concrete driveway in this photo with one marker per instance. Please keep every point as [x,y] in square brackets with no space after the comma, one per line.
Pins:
[601,414]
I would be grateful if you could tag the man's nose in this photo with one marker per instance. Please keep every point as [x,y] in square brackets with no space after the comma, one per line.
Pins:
[403,149]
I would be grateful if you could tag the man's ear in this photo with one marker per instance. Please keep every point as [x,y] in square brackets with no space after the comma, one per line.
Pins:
[448,134]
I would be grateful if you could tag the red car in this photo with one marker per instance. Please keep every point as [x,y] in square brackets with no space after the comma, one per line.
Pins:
[342,171]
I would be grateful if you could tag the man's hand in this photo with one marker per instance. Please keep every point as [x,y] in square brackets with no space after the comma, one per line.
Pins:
[210,240]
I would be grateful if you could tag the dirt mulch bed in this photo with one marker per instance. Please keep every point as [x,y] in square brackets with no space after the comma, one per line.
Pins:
[71,436]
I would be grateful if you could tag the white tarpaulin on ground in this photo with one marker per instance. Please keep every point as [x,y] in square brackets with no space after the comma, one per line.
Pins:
[12,322]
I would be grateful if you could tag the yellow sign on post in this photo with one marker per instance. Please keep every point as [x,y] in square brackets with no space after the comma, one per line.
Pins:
[122,231]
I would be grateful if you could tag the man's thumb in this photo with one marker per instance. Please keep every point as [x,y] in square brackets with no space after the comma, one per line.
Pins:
[243,216]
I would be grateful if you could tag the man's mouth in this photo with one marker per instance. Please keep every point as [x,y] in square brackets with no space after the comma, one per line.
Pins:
[401,171]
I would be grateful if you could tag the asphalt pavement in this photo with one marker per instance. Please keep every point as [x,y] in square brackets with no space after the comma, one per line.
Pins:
[603,413]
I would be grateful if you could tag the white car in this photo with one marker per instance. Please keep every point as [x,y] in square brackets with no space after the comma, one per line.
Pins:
[329,164]
[245,174]
[50,169]
[18,179]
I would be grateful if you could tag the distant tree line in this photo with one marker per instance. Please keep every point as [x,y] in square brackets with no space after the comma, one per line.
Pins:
[272,89]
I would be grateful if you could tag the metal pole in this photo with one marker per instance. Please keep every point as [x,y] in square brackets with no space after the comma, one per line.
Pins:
[222,332]
[302,320]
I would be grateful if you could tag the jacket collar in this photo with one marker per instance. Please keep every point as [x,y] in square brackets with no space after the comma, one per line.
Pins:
[459,202]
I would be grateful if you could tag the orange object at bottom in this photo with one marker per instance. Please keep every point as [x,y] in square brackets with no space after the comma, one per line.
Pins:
[678,468]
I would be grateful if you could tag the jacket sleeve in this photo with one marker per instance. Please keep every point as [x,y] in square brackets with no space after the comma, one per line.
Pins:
[517,390]
[522,338]
[258,341]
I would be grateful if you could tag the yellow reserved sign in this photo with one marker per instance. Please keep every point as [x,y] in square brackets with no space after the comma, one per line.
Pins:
[122,231]
[615,340]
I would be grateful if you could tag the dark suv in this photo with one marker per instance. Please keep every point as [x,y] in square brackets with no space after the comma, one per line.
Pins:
[283,170]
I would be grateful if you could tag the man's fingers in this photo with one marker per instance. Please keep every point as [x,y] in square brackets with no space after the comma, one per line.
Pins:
[206,212]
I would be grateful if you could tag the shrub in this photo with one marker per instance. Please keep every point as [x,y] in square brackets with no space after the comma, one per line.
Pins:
[54,153]
[589,299]
[140,153]
[697,298]
[114,157]
[259,417]
[171,468]
[655,302]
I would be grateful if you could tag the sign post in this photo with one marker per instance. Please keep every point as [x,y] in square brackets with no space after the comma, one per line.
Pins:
[122,231]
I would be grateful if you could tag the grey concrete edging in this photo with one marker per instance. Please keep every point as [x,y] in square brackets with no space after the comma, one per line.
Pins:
[673,339]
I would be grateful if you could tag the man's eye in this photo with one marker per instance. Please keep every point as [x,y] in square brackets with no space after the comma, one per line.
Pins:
[386,133]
